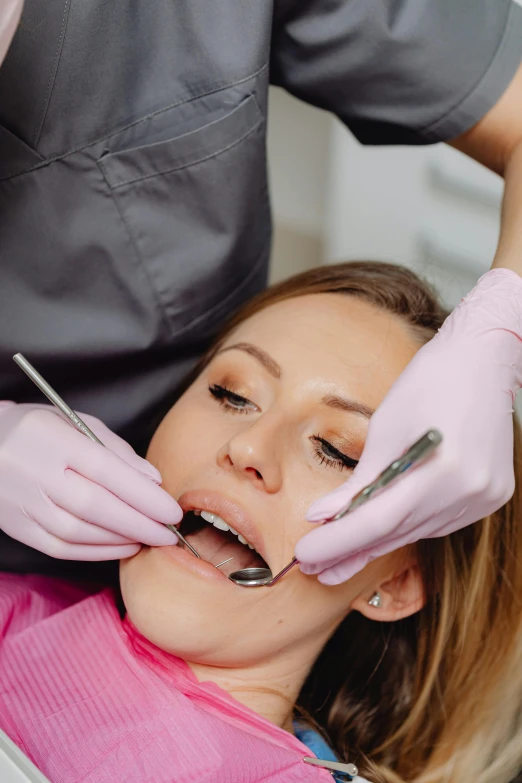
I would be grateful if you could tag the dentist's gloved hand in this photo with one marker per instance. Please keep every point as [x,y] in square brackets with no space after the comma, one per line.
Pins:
[462,383]
[73,499]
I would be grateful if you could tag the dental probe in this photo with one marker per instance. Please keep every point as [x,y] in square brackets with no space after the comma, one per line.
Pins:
[223,562]
[73,418]
[262,577]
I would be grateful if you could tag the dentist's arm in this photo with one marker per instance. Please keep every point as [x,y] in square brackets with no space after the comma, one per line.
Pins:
[9,17]
[496,142]
[463,383]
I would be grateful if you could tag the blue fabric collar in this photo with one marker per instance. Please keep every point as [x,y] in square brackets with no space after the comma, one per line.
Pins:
[318,746]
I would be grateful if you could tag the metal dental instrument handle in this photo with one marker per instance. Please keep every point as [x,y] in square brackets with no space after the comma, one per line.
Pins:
[53,397]
[73,418]
[422,448]
[419,451]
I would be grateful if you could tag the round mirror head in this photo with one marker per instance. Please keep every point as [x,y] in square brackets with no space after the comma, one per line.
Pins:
[251,577]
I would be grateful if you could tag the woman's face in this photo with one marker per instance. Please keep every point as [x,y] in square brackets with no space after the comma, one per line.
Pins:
[276,420]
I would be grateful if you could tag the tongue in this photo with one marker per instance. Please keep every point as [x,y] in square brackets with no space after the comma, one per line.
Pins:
[215,546]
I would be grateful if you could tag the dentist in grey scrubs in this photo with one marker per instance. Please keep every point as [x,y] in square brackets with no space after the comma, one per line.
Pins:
[135,216]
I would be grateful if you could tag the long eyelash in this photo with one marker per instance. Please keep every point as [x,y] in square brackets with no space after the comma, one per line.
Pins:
[340,462]
[226,396]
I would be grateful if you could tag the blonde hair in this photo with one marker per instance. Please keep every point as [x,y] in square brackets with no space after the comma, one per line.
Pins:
[435,698]
[464,711]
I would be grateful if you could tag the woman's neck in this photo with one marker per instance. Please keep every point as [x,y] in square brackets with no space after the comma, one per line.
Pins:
[270,688]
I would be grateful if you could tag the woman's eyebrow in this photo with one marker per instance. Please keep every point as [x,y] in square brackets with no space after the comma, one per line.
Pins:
[331,400]
[351,406]
[270,364]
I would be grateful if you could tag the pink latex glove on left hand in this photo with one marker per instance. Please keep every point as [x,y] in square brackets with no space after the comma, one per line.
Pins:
[463,383]
[73,499]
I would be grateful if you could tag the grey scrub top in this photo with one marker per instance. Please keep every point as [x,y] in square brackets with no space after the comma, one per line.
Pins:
[134,205]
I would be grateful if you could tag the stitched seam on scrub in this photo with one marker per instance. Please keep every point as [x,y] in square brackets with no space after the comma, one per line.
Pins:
[141,264]
[54,72]
[172,332]
[192,162]
[223,304]
[63,155]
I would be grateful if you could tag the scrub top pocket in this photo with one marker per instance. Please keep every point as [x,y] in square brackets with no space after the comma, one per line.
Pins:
[196,209]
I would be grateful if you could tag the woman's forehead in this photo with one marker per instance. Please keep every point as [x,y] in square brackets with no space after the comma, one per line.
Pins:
[329,330]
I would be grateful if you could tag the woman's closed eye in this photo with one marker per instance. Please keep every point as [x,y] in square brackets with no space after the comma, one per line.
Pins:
[327,454]
[231,401]
[324,452]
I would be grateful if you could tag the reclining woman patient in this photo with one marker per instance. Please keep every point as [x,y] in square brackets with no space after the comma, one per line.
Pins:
[204,680]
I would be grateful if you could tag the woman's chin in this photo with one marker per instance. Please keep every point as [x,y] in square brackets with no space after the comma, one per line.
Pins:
[170,596]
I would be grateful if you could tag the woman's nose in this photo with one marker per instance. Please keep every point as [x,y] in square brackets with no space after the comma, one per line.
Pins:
[252,453]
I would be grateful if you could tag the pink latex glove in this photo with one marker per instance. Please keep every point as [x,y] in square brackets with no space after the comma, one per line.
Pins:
[463,383]
[73,499]
[10,11]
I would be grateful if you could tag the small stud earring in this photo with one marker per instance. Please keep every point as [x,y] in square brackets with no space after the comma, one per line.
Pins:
[375,600]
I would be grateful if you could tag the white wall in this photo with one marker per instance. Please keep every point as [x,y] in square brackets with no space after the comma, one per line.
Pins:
[431,208]
[298,152]
[333,199]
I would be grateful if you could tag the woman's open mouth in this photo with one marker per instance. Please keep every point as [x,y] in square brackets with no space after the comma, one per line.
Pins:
[217,541]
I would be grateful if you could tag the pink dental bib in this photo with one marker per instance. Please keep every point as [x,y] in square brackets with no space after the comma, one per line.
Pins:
[88,699]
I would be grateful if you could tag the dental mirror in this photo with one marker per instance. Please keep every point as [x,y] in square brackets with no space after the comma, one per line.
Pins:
[259,577]
[422,448]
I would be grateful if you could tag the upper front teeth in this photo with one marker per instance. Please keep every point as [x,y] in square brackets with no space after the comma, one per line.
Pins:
[213,519]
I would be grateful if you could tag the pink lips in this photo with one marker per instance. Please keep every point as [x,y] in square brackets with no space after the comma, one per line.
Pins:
[199,567]
[227,509]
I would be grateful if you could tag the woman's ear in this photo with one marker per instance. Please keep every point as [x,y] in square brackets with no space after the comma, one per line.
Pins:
[394,598]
